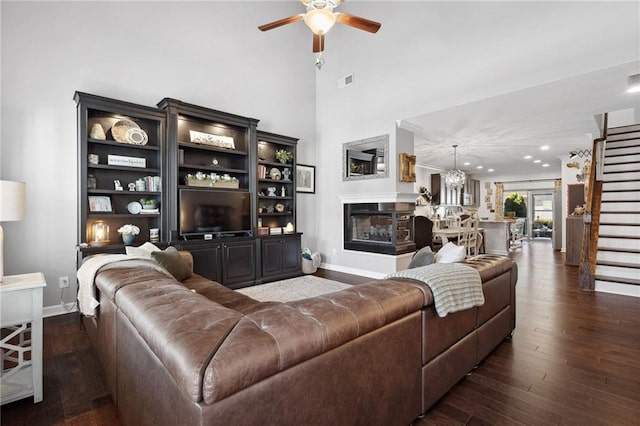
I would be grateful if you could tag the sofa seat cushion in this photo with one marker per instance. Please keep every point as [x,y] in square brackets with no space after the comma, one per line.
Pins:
[286,334]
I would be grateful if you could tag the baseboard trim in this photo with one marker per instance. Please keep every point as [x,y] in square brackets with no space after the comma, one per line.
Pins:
[352,271]
[52,311]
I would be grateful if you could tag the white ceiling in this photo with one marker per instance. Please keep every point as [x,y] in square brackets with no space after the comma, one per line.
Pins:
[498,132]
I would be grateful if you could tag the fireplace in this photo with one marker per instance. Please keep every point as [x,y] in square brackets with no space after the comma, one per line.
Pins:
[385,228]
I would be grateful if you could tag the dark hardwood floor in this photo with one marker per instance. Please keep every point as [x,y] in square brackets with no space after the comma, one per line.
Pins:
[574,359]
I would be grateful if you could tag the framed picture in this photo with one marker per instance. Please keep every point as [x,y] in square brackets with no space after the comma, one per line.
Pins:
[407,168]
[99,203]
[306,178]
[489,191]
[487,198]
[487,185]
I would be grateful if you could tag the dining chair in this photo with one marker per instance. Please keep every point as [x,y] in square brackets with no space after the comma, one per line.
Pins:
[423,232]
[469,236]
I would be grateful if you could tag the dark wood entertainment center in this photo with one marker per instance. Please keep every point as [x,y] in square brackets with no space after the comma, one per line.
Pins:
[180,148]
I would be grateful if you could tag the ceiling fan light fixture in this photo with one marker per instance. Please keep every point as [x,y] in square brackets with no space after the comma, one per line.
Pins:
[320,20]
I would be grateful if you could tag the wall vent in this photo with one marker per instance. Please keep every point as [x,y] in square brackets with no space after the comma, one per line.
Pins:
[345,81]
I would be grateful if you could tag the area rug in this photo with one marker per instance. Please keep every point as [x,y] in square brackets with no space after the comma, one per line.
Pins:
[293,289]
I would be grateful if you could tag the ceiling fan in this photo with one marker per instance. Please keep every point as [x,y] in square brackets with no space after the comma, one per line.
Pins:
[320,17]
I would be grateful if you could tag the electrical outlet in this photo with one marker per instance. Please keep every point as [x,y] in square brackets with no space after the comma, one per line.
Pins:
[64,282]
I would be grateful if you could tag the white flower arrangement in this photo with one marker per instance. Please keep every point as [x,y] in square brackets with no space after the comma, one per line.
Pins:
[213,177]
[129,229]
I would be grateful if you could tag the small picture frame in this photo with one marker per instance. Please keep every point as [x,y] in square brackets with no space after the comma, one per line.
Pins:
[489,191]
[487,185]
[487,198]
[306,178]
[99,203]
[407,167]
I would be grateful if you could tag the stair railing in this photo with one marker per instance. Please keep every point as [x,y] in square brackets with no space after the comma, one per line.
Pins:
[591,217]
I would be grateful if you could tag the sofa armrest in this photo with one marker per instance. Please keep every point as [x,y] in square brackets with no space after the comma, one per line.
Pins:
[281,336]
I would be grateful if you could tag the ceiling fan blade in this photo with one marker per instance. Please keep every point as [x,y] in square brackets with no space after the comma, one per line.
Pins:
[357,22]
[318,43]
[281,22]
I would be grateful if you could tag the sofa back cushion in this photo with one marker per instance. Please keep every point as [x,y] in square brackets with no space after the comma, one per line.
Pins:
[283,335]
[182,328]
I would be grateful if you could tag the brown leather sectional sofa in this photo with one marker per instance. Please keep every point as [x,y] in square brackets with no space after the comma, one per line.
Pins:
[196,353]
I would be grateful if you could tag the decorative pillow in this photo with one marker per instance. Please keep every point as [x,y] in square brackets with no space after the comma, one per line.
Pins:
[171,260]
[422,257]
[144,250]
[450,253]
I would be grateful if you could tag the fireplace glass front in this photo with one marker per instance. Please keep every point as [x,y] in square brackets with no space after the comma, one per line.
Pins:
[379,227]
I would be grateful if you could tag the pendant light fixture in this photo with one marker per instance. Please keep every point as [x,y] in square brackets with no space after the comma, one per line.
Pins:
[454,179]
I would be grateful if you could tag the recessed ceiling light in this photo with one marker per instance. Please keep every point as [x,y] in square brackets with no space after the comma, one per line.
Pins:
[527,157]
[467,163]
[544,147]
[545,165]
[478,167]
[537,161]
[490,170]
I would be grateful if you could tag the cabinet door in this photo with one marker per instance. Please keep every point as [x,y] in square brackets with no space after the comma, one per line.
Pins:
[291,254]
[207,261]
[271,257]
[239,260]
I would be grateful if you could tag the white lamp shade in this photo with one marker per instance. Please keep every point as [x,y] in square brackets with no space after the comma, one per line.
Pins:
[320,20]
[11,200]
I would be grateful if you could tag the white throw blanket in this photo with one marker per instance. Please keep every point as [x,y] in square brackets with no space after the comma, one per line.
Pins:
[455,287]
[87,301]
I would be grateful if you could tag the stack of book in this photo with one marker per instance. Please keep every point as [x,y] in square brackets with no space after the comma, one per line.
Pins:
[150,211]
[262,171]
[152,183]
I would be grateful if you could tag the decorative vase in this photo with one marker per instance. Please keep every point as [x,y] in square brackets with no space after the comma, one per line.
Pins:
[283,160]
[97,132]
[128,239]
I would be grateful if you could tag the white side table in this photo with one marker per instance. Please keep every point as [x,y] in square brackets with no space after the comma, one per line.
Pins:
[21,314]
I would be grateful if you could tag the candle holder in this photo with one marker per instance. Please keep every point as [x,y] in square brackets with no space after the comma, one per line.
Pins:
[99,233]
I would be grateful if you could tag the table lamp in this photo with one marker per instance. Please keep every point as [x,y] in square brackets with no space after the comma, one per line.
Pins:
[11,208]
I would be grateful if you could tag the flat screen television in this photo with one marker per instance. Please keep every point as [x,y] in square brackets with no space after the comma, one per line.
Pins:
[218,213]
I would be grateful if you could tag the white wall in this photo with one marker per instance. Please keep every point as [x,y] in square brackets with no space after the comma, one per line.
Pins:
[206,53]
[418,62]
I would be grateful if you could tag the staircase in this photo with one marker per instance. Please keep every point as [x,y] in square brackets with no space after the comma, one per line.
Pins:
[618,253]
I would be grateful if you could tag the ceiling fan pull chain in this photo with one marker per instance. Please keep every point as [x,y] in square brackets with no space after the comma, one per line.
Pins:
[319,61]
